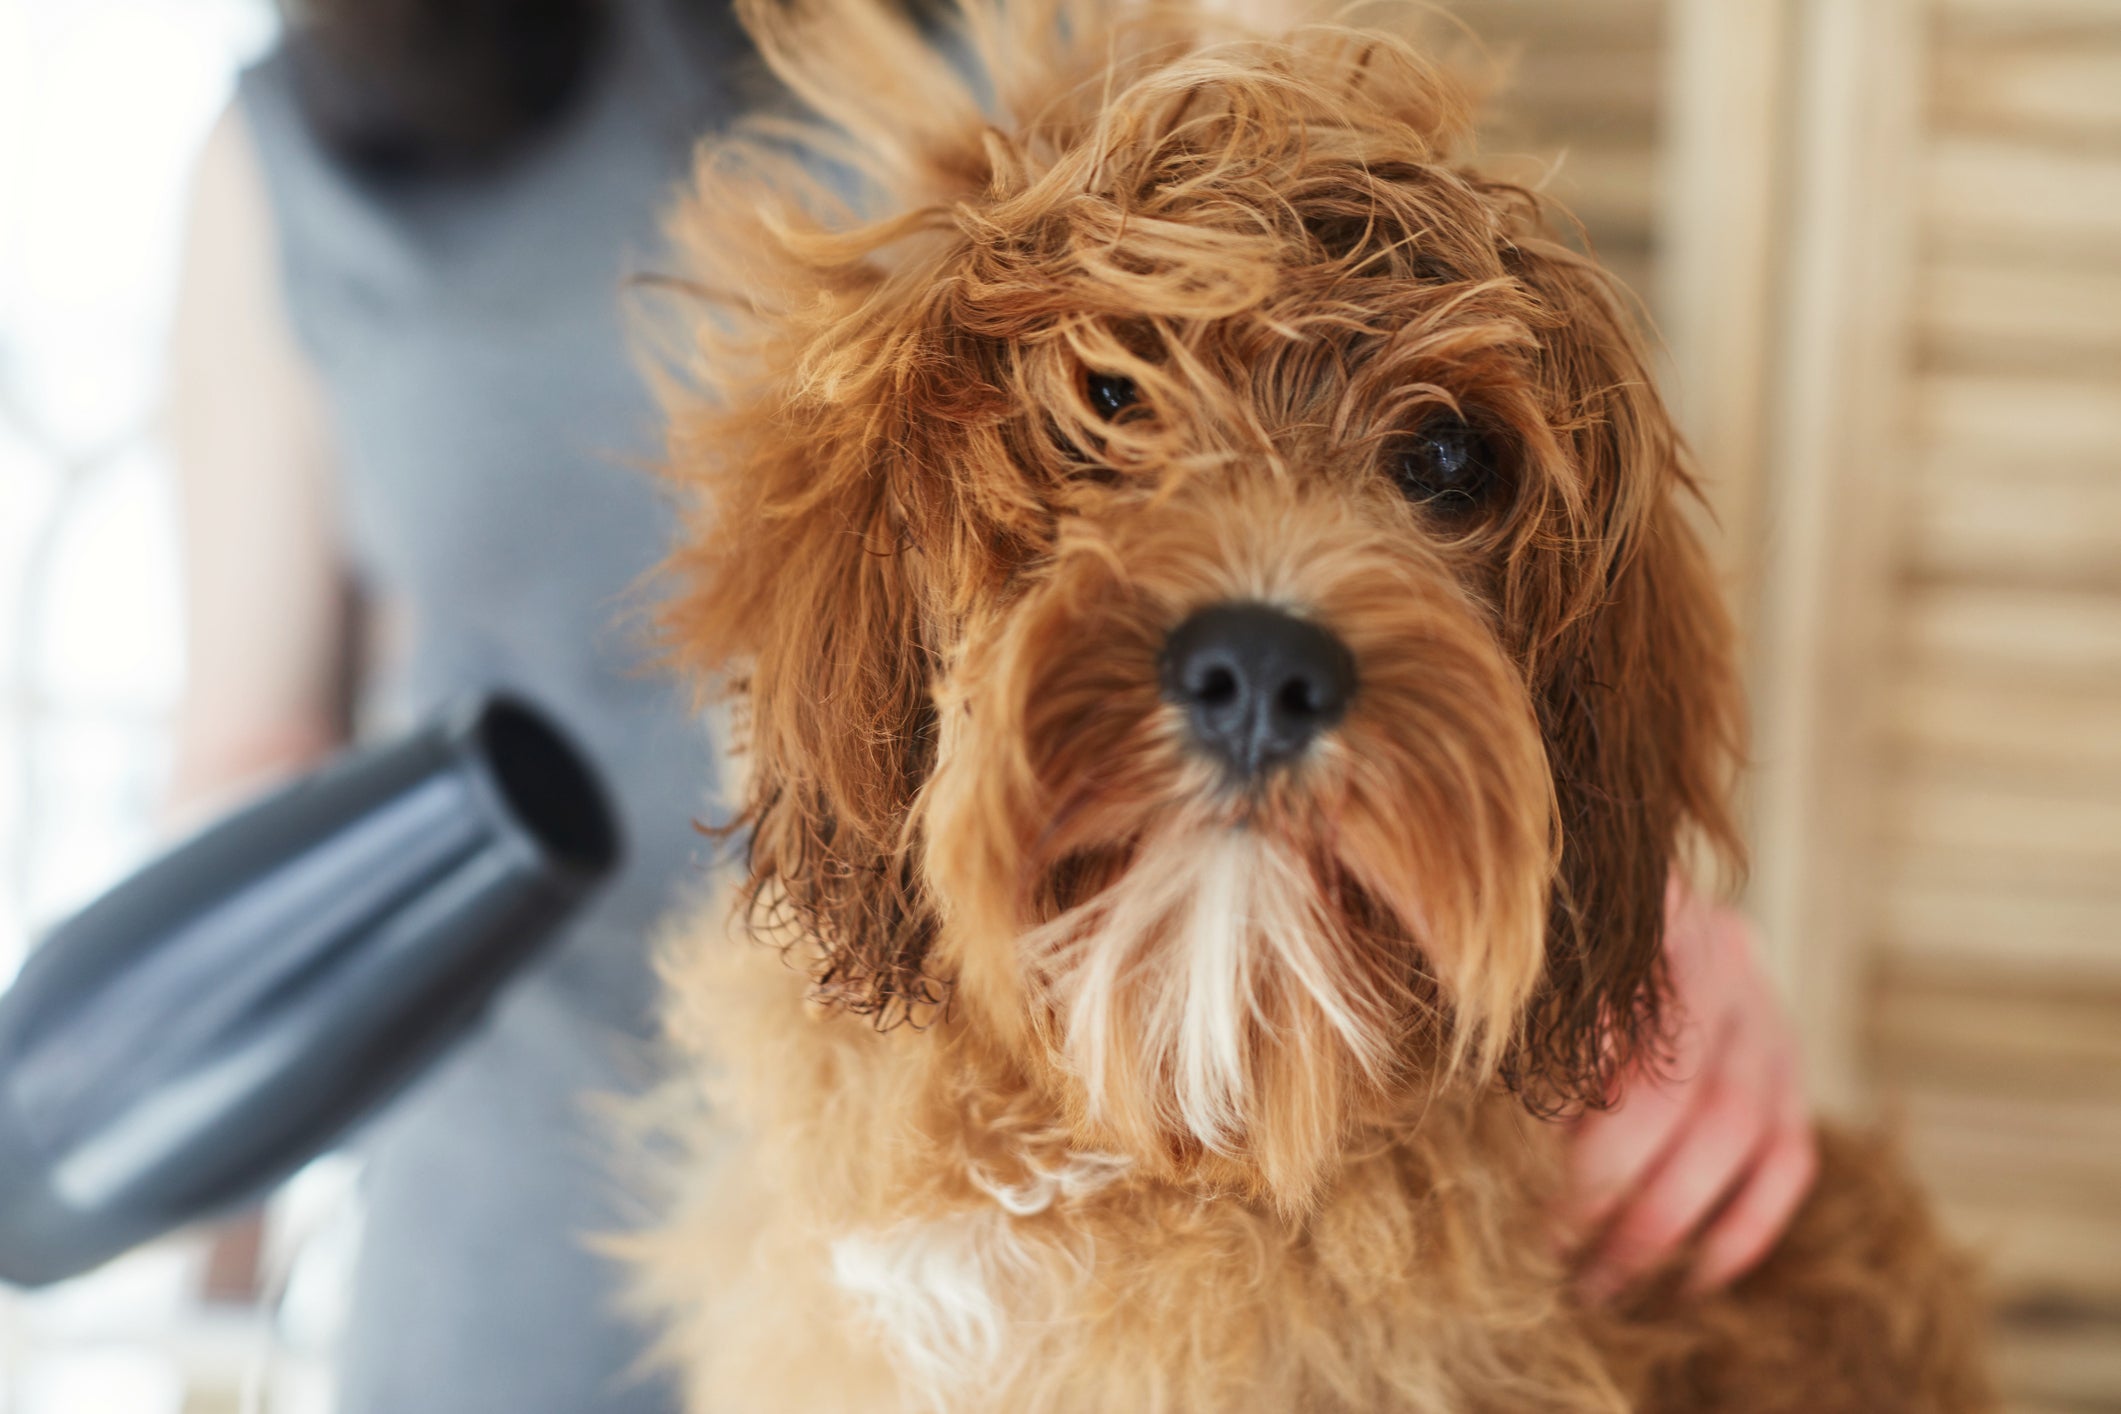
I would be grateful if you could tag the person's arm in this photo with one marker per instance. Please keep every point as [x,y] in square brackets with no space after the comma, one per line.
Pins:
[265,594]
[1714,1148]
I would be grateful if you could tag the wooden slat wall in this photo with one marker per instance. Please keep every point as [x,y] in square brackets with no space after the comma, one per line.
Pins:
[1994,1016]
[1890,235]
[1578,112]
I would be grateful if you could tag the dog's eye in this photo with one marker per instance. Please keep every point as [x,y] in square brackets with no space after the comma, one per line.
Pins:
[1111,395]
[1446,465]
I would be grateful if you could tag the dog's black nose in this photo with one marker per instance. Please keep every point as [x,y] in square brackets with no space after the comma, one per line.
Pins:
[1256,684]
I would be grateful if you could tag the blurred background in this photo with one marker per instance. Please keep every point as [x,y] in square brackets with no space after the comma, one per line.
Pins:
[1881,243]
[103,107]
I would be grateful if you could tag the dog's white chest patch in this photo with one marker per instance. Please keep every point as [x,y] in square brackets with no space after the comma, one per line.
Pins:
[940,1290]
[952,1295]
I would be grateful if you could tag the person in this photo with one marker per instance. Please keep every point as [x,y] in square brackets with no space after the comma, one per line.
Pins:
[409,434]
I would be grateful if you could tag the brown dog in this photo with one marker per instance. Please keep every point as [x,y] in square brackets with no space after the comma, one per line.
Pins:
[1226,679]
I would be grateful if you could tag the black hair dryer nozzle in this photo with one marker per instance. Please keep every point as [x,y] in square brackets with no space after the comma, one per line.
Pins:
[213,1022]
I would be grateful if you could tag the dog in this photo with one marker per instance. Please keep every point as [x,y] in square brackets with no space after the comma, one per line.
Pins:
[1224,676]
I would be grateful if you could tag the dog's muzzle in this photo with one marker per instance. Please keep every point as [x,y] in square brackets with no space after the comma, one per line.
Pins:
[1257,685]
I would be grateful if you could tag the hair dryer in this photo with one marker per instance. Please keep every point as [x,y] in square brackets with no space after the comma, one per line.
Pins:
[213,1022]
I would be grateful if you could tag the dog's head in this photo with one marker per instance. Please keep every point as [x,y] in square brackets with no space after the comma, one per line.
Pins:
[1206,572]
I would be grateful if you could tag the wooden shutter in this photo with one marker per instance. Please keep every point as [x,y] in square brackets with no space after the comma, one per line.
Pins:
[1927,437]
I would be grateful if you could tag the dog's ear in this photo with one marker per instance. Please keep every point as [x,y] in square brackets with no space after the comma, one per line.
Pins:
[1629,649]
[794,590]
[803,441]
[818,387]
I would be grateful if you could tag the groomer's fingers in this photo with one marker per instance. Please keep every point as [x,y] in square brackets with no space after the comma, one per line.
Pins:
[1720,1141]
[1744,1232]
[1611,1152]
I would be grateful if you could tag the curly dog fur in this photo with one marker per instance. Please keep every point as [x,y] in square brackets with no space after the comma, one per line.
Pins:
[1106,1076]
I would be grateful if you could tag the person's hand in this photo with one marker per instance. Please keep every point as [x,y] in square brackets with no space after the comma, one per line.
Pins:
[1713,1145]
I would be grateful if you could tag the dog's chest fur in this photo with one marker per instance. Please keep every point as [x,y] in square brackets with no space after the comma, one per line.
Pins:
[1121,1299]
[910,1239]
[949,1294]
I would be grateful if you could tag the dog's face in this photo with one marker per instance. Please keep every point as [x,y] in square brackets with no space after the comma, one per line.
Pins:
[1207,582]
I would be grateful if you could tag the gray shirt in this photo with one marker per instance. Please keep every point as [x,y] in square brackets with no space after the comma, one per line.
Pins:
[493,432]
